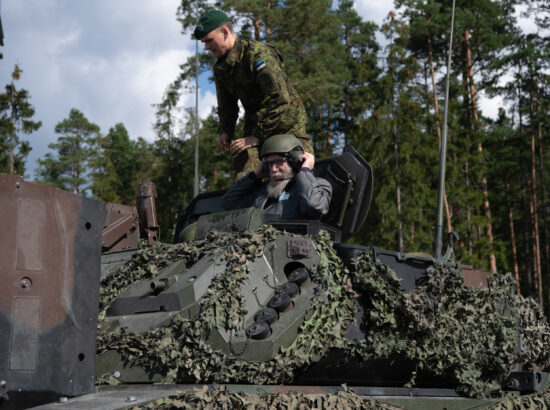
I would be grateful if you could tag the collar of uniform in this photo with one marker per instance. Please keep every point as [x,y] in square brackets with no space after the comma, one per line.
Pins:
[228,61]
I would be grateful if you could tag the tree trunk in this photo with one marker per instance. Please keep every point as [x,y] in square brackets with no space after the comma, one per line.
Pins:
[484,188]
[535,227]
[467,180]
[346,89]
[513,240]
[531,282]
[12,136]
[546,242]
[535,254]
[257,27]
[529,274]
[268,24]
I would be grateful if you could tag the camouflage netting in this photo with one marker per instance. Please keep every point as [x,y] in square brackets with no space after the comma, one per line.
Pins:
[466,334]
[219,398]
[474,335]
[181,349]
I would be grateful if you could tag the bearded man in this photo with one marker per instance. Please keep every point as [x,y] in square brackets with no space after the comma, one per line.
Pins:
[291,191]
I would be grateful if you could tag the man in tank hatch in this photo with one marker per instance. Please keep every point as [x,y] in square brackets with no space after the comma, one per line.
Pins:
[290,192]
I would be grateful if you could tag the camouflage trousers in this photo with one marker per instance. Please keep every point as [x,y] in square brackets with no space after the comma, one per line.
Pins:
[248,160]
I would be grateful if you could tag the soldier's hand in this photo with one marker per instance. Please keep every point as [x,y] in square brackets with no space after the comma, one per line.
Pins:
[308,160]
[223,141]
[241,144]
[260,170]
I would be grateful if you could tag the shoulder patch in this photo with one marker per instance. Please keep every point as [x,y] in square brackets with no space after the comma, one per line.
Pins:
[259,66]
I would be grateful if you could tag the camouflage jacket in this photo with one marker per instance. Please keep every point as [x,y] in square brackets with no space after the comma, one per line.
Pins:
[253,73]
[305,197]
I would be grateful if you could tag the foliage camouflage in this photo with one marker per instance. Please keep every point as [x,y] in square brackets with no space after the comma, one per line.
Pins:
[451,330]
[219,397]
[466,334]
[532,401]
[180,349]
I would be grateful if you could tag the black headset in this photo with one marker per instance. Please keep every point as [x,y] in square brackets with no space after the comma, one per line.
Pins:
[293,157]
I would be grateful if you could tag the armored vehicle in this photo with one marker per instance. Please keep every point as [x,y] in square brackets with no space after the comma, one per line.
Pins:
[258,306]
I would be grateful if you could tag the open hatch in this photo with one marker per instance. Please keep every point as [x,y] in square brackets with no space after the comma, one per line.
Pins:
[352,181]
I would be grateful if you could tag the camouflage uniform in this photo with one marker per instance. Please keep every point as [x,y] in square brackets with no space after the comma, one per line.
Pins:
[253,73]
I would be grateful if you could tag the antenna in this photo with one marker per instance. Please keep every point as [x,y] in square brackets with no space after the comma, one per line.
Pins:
[443,153]
[196,179]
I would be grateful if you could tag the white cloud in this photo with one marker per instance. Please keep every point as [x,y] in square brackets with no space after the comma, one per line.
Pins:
[490,106]
[527,24]
[207,101]
[375,11]
[111,60]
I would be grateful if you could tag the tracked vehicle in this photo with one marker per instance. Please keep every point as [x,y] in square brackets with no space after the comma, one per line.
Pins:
[49,306]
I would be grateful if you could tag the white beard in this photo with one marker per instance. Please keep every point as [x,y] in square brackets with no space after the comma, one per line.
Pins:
[275,186]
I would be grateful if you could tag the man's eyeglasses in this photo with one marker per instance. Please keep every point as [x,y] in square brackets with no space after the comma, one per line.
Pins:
[278,162]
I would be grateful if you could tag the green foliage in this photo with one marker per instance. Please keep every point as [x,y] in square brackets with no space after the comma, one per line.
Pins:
[67,167]
[401,150]
[119,164]
[174,175]
[16,114]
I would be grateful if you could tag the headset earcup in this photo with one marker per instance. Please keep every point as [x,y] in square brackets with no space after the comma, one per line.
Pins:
[295,154]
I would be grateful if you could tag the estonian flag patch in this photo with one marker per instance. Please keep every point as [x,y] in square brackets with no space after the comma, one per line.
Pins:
[260,65]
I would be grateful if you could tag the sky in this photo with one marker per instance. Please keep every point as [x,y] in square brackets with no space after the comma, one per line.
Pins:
[112,60]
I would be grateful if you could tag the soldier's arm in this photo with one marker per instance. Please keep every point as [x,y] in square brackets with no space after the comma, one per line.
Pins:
[228,110]
[276,114]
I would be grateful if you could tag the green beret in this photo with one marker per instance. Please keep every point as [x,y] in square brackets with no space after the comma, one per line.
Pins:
[209,21]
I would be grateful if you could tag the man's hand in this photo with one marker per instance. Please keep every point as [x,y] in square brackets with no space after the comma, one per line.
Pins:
[223,142]
[308,160]
[238,146]
[260,170]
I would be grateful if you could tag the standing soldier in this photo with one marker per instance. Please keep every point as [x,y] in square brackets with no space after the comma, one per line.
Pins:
[252,72]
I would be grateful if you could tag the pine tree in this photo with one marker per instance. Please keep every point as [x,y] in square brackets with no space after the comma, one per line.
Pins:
[119,164]
[68,166]
[361,72]
[16,114]
[527,92]
[401,152]
[428,41]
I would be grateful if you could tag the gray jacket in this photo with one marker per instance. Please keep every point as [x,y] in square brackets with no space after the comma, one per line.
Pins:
[305,197]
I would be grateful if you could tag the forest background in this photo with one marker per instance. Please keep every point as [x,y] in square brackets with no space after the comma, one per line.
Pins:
[384,98]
